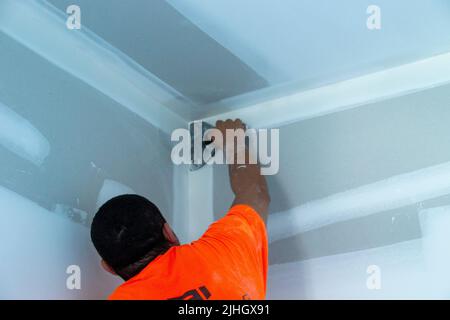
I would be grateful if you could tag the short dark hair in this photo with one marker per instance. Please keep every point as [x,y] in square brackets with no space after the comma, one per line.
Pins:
[127,232]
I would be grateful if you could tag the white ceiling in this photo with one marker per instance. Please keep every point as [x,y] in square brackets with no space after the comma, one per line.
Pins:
[213,52]
[171,47]
[301,39]
[312,43]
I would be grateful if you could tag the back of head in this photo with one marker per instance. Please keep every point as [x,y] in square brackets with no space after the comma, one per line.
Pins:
[127,232]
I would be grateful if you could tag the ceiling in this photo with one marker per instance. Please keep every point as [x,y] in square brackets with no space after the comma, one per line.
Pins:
[219,51]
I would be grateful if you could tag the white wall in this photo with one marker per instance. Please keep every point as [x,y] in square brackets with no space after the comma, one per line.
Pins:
[348,194]
[415,269]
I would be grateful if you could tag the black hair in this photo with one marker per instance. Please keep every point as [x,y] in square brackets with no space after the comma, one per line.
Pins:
[127,232]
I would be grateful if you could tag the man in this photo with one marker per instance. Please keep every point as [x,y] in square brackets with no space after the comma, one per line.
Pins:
[228,262]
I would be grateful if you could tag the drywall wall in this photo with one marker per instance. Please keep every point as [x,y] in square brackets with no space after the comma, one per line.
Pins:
[354,181]
[402,269]
[65,148]
[415,269]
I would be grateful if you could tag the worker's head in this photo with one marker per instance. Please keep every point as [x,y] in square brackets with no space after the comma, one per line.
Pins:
[128,232]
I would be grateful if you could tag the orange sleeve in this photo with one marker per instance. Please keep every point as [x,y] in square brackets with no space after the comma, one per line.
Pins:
[240,238]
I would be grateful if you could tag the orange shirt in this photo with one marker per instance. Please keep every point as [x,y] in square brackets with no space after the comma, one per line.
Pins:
[228,262]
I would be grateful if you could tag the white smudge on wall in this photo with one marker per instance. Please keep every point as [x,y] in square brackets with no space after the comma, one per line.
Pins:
[74,214]
[20,137]
[111,189]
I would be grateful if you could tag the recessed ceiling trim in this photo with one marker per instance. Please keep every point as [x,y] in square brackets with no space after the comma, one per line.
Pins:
[356,92]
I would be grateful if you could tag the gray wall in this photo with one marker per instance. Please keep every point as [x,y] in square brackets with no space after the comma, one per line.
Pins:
[342,151]
[49,190]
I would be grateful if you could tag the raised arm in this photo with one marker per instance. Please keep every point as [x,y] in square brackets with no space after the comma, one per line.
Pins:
[247,183]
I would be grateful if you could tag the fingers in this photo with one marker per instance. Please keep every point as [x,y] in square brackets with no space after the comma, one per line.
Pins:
[224,127]
[230,124]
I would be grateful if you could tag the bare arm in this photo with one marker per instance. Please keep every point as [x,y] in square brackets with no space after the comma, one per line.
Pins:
[247,183]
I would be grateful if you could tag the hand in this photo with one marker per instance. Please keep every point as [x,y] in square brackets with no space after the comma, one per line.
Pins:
[229,124]
[234,150]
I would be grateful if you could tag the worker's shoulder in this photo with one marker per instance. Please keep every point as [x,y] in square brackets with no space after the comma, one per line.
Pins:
[243,209]
[241,222]
[245,212]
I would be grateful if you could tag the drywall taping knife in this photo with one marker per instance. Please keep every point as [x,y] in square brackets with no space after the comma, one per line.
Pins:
[197,131]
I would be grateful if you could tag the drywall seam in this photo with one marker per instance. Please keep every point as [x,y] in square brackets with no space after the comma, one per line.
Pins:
[41,28]
[19,136]
[356,92]
[395,192]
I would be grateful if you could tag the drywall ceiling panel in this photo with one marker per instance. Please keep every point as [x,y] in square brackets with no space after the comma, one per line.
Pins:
[168,45]
[298,44]
[226,54]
